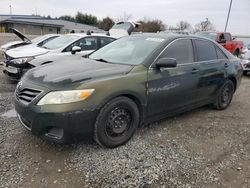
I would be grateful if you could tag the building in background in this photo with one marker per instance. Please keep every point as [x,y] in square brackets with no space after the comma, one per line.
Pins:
[37,25]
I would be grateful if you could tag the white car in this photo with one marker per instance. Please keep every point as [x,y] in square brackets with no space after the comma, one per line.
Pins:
[17,60]
[246,53]
[25,41]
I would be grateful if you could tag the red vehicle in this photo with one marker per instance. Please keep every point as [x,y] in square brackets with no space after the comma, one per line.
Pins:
[226,40]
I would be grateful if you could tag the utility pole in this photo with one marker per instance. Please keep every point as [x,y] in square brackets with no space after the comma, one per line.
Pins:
[10,10]
[231,1]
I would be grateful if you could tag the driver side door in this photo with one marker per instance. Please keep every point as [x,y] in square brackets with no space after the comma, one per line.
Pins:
[173,89]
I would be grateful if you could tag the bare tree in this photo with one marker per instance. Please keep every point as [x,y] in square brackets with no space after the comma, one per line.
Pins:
[205,26]
[151,26]
[184,25]
[125,17]
[106,23]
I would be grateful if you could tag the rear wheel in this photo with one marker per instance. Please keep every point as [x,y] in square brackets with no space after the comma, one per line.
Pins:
[224,96]
[116,122]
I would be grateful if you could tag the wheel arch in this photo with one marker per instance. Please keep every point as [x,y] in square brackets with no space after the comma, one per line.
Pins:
[137,99]
[234,80]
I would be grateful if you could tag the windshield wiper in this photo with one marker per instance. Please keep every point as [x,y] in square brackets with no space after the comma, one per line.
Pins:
[102,60]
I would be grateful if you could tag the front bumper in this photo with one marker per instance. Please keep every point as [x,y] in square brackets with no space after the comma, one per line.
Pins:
[13,72]
[60,127]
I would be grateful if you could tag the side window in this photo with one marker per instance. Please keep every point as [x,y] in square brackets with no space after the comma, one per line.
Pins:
[227,36]
[220,54]
[205,50]
[89,43]
[181,50]
[105,40]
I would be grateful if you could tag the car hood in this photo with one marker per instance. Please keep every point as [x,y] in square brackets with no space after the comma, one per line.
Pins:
[53,57]
[11,44]
[73,72]
[26,51]
[21,36]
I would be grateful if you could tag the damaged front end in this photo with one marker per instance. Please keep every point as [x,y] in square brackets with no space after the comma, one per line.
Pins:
[14,68]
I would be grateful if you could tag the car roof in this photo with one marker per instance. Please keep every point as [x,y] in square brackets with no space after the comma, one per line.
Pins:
[169,36]
[92,34]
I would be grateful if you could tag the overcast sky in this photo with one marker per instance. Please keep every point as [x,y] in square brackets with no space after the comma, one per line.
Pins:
[169,11]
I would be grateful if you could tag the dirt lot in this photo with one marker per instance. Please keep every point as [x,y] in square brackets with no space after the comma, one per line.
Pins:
[201,148]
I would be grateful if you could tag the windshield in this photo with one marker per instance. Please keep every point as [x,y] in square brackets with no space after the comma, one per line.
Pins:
[128,50]
[60,42]
[212,36]
[39,39]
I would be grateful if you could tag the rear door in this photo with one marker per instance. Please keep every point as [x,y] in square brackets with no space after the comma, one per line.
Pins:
[212,63]
[172,89]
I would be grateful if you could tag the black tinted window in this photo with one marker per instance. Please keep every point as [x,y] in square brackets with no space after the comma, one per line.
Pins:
[181,50]
[89,43]
[227,36]
[105,40]
[220,54]
[205,50]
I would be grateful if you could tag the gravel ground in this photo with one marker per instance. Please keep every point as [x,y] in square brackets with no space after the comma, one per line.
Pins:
[201,148]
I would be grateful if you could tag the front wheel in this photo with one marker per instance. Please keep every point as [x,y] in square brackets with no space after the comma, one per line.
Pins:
[116,122]
[224,96]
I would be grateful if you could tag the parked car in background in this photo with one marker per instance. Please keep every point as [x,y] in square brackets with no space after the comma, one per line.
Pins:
[132,81]
[22,59]
[246,66]
[226,40]
[25,41]
[18,60]
[246,52]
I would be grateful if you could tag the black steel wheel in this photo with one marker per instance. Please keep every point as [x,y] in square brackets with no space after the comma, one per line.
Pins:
[224,96]
[116,122]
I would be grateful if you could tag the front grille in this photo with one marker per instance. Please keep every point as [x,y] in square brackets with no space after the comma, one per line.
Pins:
[26,95]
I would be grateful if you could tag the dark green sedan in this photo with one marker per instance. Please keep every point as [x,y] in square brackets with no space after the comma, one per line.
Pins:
[130,82]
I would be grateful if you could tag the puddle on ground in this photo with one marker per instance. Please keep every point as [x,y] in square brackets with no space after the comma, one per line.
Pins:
[9,114]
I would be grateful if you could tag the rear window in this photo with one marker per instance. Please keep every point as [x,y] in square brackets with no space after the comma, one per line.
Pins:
[205,50]
[227,36]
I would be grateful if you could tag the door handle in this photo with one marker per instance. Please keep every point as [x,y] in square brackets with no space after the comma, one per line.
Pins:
[194,70]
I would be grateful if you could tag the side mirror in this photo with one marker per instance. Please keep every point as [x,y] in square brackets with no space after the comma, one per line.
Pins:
[75,49]
[233,38]
[166,63]
[222,41]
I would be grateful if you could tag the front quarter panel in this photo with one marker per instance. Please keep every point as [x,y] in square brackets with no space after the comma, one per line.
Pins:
[131,84]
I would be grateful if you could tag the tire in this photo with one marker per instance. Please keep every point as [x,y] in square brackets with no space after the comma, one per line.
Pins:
[117,122]
[224,96]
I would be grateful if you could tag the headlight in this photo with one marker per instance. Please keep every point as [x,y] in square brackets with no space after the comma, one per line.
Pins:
[22,60]
[63,97]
